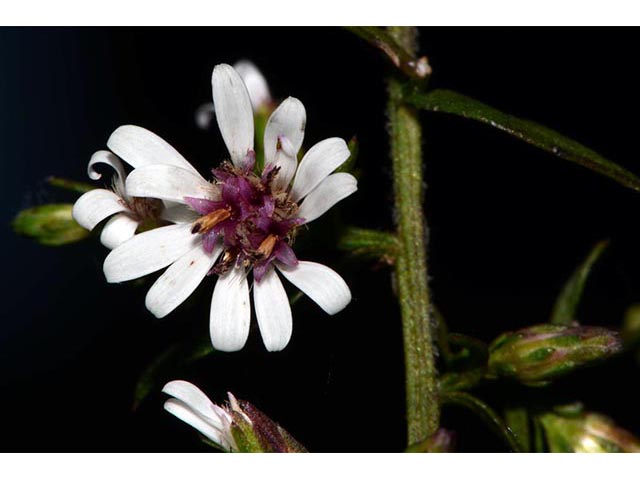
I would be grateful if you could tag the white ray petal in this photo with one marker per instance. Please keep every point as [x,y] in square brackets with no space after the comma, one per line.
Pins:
[188,416]
[96,205]
[288,121]
[179,213]
[148,252]
[167,183]
[117,230]
[323,285]
[139,147]
[256,83]
[103,156]
[233,112]
[196,400]
[273,311]
[230,311]
[321,159]
[180,280]
[331,190]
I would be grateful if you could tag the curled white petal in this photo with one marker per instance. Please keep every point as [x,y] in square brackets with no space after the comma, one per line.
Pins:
[117,230]
[323,285]
[180,280]
[230,311]
[331,190]
[273,311]
[233,112]
[321,159]
[188,416]
[197,401]
[139,147]
[148,252]
[167,182]
[96,205]
[108,158]
[256,83]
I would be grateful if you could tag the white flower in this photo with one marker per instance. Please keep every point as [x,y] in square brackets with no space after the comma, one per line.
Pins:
[138,147]
[240,222]
[193,407]
[257,87]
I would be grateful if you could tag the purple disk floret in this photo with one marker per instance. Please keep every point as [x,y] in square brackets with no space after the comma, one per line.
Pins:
[254,223]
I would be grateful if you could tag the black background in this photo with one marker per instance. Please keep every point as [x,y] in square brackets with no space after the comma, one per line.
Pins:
[508,223]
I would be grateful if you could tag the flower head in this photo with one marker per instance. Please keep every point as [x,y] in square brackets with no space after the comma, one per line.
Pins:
[243,221]
[235,427]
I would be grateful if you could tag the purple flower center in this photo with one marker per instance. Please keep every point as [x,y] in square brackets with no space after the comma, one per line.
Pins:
[255,222]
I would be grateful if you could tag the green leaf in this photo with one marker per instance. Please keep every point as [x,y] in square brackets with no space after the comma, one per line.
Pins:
[73,185]
[369,243]
[168,364]
[417,68]
[564,310]
[50,225]
[542,137]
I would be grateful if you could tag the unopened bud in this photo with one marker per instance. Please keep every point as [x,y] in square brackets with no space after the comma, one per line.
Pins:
[537,354]
[586,433]
[49,224]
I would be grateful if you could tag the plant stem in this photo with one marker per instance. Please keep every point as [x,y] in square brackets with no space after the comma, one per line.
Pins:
[423,409]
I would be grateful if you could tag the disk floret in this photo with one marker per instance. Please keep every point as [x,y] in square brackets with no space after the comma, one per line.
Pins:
[255,220]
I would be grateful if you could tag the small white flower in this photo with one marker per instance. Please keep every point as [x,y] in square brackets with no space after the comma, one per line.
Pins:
[240,223]
[257,87]
[193,407]
[138,147]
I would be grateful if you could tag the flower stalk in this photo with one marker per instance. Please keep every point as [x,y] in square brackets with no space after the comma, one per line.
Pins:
[411,265]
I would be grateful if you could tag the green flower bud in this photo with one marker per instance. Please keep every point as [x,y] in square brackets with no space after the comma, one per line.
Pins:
[586,433]
[49,224]
[537,354]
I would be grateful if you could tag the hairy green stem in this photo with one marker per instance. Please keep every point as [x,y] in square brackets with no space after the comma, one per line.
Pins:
[423,409]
